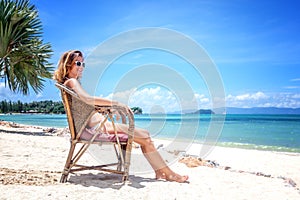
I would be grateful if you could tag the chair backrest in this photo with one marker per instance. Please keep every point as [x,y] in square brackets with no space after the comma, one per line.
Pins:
[78,112]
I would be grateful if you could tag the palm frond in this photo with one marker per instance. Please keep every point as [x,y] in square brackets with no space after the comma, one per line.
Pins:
[24,57]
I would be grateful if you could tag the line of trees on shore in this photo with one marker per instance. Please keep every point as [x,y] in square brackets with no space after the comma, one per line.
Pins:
[47,107]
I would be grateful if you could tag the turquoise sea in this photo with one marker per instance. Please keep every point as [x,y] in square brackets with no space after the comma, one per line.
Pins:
[263,132]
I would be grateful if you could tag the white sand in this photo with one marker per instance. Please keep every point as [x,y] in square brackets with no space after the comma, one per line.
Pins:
[31,164]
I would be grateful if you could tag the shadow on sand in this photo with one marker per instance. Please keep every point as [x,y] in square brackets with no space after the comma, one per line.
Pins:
[103,180]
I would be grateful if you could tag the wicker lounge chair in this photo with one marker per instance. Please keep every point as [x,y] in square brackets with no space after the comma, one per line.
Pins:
[78,114]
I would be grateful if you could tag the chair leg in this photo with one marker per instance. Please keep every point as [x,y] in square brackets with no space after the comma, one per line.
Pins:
[127,152]
[123,147]
[119,154]
[66,170]
[125,175]
[124,178]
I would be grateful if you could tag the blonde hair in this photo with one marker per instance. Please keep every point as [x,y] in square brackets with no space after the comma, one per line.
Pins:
[65,65]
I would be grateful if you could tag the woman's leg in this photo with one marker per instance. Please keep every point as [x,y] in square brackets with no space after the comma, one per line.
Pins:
[142,137]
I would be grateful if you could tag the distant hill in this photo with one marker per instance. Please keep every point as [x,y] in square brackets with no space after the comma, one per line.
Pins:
[203,111]
[262,110]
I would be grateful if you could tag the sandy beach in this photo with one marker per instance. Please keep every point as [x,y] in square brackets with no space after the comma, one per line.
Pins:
[32,159]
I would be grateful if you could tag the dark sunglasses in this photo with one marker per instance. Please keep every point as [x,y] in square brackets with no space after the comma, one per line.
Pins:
[79,64]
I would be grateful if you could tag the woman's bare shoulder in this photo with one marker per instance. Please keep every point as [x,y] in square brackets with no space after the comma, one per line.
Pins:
[71,83]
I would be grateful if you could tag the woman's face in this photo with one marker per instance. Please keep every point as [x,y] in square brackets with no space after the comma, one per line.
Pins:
[77,68]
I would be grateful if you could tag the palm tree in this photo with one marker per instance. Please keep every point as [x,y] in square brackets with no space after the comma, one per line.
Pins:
[23,56]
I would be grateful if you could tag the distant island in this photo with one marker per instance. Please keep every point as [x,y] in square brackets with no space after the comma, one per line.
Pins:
[203,111]
[254,110]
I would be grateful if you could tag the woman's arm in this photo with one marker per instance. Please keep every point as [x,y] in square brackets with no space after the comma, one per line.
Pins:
[83,95]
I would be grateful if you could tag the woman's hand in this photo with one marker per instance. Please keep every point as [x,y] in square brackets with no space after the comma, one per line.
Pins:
[127,109]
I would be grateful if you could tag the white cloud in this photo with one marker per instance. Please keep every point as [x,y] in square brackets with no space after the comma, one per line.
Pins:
[260,99]
[291,87]
[150,98]
[246,97]
[203,101]
[295,79]
[147,98]
[295,96]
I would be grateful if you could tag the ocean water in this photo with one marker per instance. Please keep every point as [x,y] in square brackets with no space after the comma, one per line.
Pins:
[263,132]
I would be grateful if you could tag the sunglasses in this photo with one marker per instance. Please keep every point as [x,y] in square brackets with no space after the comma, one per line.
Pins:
[79,64]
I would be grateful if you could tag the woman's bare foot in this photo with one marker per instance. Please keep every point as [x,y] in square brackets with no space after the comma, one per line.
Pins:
[172,177]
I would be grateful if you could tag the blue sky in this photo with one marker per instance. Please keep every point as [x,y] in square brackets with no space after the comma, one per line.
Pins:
[254,44]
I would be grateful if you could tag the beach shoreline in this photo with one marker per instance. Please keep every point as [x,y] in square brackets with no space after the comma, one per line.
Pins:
[33,157]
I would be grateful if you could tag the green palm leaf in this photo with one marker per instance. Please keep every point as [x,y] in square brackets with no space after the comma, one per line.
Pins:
[23,55]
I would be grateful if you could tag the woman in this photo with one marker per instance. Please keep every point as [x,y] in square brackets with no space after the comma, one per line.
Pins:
[69,72]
